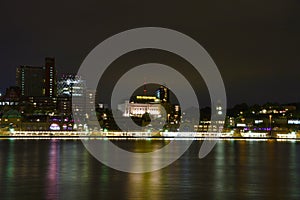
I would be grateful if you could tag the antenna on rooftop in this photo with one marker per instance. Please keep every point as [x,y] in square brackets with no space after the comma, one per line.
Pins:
[145,89]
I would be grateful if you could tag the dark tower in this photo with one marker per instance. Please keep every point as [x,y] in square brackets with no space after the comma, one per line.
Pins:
[50,77]
[30,80]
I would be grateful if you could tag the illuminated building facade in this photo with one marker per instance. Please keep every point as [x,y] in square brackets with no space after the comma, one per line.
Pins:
[74,87]
[70,85]
[209,126]
[131,109]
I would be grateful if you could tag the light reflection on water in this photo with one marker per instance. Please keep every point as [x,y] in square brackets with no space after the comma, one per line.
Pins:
[63,169]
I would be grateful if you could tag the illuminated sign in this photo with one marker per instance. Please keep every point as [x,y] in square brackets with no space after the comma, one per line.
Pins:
[241,125]
[146,97]
[259,121]
[293,121]
[54,127]
[158,94]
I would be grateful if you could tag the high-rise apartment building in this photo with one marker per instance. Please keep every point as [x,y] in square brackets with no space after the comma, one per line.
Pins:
[37,81]
[31,80]
[50,77]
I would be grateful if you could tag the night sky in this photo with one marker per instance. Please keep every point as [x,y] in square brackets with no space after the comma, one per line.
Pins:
[255,44]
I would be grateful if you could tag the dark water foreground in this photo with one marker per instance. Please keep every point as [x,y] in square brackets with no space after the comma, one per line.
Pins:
[235,169]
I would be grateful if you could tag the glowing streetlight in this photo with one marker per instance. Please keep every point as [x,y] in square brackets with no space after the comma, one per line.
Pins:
[270,120]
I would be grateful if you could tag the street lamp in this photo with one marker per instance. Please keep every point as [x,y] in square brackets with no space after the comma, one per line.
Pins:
[270,120]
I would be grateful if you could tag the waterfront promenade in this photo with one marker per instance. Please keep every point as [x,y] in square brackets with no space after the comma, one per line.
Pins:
[139,134]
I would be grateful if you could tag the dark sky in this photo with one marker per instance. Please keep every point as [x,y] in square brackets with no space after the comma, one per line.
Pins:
[254,43]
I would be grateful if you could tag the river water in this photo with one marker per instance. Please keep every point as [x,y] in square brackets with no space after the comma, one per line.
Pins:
[234,169]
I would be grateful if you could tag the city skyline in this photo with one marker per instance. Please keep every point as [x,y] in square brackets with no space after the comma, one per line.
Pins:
[61,76]
[254,44]
[150,99]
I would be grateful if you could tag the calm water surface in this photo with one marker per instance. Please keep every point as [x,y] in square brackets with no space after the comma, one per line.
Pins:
[64,169]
